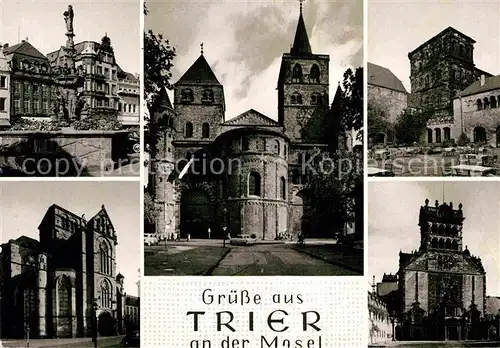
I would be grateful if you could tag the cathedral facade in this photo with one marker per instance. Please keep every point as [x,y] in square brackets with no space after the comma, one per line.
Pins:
[246,174]
[442,286]
[65,284]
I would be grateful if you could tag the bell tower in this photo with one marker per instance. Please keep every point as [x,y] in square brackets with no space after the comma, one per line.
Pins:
[441,227]
[303,84]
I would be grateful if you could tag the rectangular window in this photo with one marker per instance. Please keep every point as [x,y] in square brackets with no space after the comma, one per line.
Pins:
[99,70]
[36,106]
[17,87]
[2,104]
[119,106]
[45,107]
[27,109]
[3,81]
[17,106]
[26,89]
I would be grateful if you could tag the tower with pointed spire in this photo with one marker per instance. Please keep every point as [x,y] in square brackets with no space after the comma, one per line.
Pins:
[303,84]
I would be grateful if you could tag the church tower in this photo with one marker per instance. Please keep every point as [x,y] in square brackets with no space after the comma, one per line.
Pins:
[199,103]
[302,88]
[163,166]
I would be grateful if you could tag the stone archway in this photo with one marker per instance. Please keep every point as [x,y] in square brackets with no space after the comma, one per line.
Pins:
[380,139]
[300,212]
[479,134]
[106,324]
[196,214]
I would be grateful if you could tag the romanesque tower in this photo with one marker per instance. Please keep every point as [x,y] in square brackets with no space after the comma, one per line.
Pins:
[302,88]
[163,166]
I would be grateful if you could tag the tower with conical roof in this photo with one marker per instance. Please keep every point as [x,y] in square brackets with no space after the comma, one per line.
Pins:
[199,103]
[302,87]
[163,166]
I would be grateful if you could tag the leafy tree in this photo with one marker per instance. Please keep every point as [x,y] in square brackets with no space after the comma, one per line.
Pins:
[377,120]
[150,209]
[352,100]
[463,140]
[335,182]
[410,125]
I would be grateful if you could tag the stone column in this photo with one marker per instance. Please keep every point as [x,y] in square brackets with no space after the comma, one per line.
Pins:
[73,311]
[42,295]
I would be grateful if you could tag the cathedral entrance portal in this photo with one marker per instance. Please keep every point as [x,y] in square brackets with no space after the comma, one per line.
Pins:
[196,214]
[106,324]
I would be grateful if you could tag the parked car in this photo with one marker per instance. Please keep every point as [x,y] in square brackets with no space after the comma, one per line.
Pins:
[150,239]
[243,239]
[133,142]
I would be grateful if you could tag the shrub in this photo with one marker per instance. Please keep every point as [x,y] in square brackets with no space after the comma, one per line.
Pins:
[463,140]
[21,124]
[97,122]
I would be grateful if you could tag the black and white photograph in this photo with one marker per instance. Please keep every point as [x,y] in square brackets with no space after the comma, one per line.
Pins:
[254,137]
[433,88]
[69,264]
[434,264]
[69,88]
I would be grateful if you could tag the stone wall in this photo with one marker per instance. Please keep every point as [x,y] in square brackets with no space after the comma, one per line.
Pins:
[411,286]
[391,101]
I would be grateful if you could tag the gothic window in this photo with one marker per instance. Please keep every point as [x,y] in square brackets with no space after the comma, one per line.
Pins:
[283,188]
[187,95]
[479,104]
[64,296]
[297,74]
[438,140]
[277,146]
[441,243]
[254,184]
[434,243]
[106,294]
[296,98]
[189,129]
[493,102]
[314,74]
[447,244]
[486,103]
[205,130]
[315,99]
[105,258]
[208,96]
[454,245]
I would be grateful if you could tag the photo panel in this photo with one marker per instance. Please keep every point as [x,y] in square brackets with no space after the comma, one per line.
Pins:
[433,88]
[255,112]
[69,89]
[439,279]
[69,264]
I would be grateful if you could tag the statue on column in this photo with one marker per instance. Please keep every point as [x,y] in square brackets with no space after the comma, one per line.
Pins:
[68,18]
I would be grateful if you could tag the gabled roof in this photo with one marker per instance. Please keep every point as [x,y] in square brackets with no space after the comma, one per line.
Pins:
[491,83]
[301,45]
[102,213]
[251,118]
[199,73]
[383,77]
[24,48]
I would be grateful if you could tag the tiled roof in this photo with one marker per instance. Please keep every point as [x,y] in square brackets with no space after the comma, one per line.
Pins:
[383,77]
[199,73]
[24,48]
[491,83]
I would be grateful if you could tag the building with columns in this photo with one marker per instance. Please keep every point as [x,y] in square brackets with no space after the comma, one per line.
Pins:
[441,286]
[245,173]
[51,287]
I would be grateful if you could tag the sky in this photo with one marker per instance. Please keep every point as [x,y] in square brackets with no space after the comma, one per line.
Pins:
[396,28]
[42,22]
[24,204]
[393,223]
[245,40]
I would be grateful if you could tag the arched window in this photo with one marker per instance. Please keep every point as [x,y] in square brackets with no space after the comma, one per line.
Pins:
[208,96]
[254,184]
[486,103]
[447,133]
[314,74]
[438,135]
[429,136]
[187,95]
[296,98]
[283,188]
[277,146]
[64,296]
[454,245]
[447,244]
[434,243]
[316,99]
[479,104]
[441,244]
[105,258]
[106,294]
[297,74]
[205,130]
[189,129]
[493,102]
[245,144]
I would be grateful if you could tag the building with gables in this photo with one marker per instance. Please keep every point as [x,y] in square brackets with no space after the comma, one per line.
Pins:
[64,284]
[439,292]
[243,174]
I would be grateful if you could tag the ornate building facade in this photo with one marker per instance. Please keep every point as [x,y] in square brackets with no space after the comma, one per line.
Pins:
[442,286]
[245,173]
[439,69]
[52,287]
